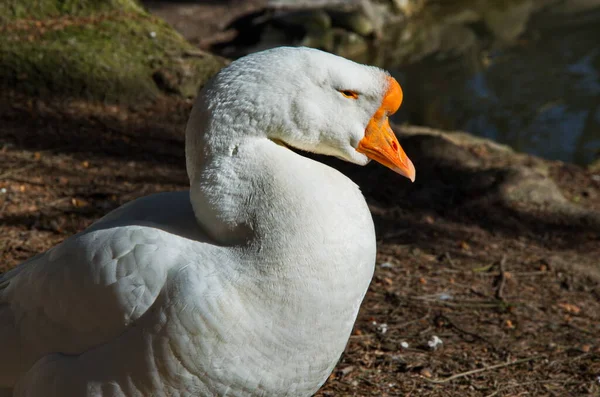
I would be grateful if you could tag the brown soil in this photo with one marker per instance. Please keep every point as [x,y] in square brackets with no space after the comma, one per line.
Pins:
[514,296]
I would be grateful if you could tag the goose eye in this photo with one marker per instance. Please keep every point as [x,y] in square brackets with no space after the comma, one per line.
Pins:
[349,94]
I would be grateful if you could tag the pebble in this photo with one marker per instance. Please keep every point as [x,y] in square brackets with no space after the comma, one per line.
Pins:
[435,342]
[383,327]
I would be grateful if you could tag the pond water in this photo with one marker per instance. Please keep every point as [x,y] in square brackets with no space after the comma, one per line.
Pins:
[531,81]
[522,72]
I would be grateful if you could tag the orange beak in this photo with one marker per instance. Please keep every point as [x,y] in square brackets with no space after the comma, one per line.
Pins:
[380,142]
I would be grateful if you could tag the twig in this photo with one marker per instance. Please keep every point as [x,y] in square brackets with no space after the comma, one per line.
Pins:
[404,325]
[24,180]
[474,335]
[502,280]
[463,303]
[519,274]
[484,369]
[389,236]
[449,259]
[16,170]
[569,359]
[529,383]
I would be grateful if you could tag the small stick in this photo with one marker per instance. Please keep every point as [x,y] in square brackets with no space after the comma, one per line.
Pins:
[530,383]
[465,332]
[16,171]
[518,274]
[403,325]
[502,281]
[484,369]
[449,258]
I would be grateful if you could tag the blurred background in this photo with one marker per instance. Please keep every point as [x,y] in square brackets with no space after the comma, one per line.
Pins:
[522,72]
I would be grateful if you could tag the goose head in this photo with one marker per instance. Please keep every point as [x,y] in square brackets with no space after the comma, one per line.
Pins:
[301,98]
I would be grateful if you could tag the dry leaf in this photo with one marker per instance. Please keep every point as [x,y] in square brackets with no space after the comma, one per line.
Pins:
[78,202]
[426,373]
[569,307]
[586,348]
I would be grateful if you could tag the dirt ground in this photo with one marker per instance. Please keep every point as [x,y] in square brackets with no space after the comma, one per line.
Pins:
[512,299]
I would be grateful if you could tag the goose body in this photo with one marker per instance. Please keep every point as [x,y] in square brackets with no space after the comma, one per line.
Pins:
[249,283]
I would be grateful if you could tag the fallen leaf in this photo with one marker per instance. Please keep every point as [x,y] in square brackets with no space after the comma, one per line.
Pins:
[78,202]
[426,373]
[586,348]
[569,307]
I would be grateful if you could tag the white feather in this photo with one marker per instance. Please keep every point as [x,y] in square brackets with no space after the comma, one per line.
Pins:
[248,285]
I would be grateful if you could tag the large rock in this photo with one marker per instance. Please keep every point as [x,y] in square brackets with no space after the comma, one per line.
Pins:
[491,180]
[110,50]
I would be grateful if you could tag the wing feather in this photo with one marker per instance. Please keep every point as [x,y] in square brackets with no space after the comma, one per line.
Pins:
[81,293]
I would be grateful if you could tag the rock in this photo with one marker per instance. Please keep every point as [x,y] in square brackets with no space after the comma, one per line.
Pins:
[310,20]
[354,21]
[314,4]
[104,50]
[489,179]
[508,23]
[594,166]
[338,26]
[409,7]
[349,44]
[525,185]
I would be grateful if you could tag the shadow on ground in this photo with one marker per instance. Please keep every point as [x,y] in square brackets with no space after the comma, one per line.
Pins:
[494,252]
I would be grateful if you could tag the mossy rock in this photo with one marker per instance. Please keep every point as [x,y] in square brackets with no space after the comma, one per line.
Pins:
[110,50]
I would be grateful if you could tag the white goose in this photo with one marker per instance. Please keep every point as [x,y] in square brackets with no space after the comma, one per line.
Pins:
[248,284]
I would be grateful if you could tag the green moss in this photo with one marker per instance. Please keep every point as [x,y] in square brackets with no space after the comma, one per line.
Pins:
[117,56]
[40,9]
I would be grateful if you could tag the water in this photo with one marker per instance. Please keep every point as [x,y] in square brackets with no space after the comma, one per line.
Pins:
[522,72]
[533,82]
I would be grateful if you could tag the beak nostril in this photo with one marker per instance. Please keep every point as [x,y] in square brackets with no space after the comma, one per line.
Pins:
[395,146]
